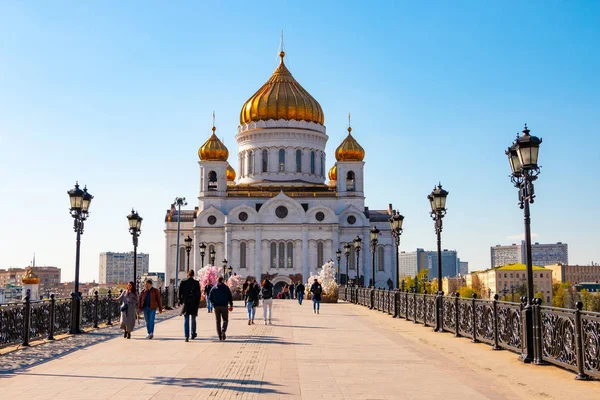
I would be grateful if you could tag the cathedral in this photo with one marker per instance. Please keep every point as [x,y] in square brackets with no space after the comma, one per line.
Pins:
[282,215]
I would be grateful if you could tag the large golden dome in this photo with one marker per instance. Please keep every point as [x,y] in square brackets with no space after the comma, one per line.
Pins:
[333,173]
[30,277]
[349,149]
[282,97]
[230,173]
[213,149]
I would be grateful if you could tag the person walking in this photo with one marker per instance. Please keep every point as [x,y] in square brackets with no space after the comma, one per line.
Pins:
[292,290]
[317,290]
[286,291]
[189,296]
[251,295]
[245,289]
[209,304]
[267,295]
[300,292]
[149,302]
[129,299]
[220,296]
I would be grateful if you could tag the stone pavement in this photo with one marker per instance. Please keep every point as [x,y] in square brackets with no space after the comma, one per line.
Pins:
[346,352]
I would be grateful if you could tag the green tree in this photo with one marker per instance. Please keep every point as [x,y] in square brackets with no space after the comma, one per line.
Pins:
[540,295]
[466,291]
[409,282]
[586,299]
[559,292]
[595,303]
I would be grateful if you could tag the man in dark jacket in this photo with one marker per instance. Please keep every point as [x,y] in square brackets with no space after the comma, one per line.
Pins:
[292,290]
[207,289]
[300,292]
[189,296]
[220,296]
[317,290]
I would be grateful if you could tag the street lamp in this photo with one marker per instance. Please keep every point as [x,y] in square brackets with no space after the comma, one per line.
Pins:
[523,160]
[396,221]
[135,228]
[347,249]
[225,269]
[374,239]
[338,256]
[188,248]
[80,203]
[357,241]
[437,201]
[180,201]
[229,272]
[202,252]
[212,254]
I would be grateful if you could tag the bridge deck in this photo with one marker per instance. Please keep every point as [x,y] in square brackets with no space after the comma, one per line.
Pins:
[346,352]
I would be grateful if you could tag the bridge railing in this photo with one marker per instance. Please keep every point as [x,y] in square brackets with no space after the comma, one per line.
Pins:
[563,337]
[21,322]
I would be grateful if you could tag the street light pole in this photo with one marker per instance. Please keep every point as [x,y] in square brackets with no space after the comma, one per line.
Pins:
[523,160]
[357,241]
[202,252]
[437,201]
[347,249]
[338,256]
[135,228]
[374,236]
[180,201]
[396,221]
[80,203]
[212,254]
[188,248]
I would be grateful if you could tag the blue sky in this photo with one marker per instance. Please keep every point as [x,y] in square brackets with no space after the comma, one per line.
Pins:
[120,96]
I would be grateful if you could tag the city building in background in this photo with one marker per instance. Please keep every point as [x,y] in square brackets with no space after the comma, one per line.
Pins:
[413,262]
[118,267]
[49,277]
[10,293]
[158,279]
[541,254]
[463,268]
[65,289]
[451,285]
[575,273]
[410,263]
[510,278]
[592,287]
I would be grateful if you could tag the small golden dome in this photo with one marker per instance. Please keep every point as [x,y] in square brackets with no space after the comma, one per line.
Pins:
[349,149]
[213,149]
[230,173]
[333,173]
[30,278]
[282,97]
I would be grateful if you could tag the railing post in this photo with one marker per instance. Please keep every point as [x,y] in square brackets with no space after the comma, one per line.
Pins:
[496,345]
[425,308]
[415,307]
[524,350]
[108,309]
[396,305]
[27,319]
[439,323]
[372,299]
[537,333]
[96,304]
[406,305]
[474,318]
[52,317]
[457,323]
[581,375]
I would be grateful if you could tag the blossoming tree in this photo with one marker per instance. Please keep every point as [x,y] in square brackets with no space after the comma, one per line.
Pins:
[326,278]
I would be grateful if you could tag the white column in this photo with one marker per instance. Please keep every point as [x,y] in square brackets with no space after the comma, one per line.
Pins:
[335,242]
[258,253]
[227,245]
[305,264]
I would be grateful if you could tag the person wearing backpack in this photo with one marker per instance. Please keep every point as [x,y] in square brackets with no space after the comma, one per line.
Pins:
[317,290]
[267,295]
[189,296]
[251,294]
[300,292]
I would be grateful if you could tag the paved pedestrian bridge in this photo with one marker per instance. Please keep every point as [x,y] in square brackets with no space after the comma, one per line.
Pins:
[345,352]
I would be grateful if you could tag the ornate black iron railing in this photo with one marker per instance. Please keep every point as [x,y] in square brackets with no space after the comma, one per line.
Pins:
[30,320]
[564,337]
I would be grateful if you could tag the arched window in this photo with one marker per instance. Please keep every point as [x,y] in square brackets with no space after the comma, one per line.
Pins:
[265,160]
[319,254]
[273,255]
[281,160]
[243,255]
[281,255]
[350,181]
[298,160]
[380,259]
[312,162]
[290,255]
[250,163]
[182,260]
[212,180]
[352,257]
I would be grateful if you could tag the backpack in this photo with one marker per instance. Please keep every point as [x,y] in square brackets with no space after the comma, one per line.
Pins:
[267,292]
[318,290]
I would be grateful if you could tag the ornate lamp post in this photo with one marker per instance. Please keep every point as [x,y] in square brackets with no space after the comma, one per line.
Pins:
[357,241]
[80,204]
[202,252]
[347,249]
[135,228]
[523,160]
[229,272]
[188,248]
[212,254]
[180,201]
[338,256]
[374,239]
[437,200]
[226,270]
[396,221]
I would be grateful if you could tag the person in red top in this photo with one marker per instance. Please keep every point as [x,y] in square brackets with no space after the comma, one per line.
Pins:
[149,301]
